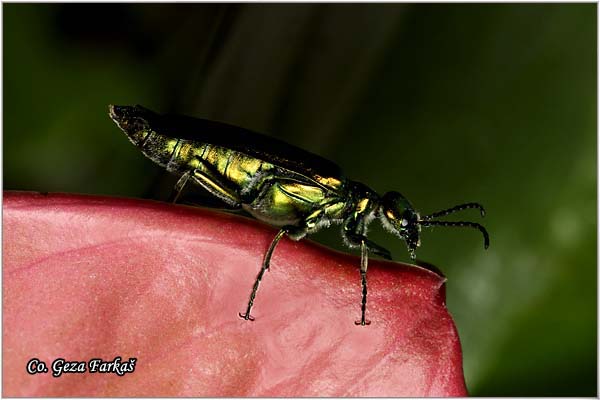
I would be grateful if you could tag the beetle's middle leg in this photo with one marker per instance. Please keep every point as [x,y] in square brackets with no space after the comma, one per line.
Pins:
[295,232]
[265,266]
[282,195]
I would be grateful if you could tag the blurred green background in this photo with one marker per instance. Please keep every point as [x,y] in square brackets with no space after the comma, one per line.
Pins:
[446,103]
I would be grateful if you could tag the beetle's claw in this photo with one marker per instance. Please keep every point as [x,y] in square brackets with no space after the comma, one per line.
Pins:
[362,322]
[247,317]
[381,252]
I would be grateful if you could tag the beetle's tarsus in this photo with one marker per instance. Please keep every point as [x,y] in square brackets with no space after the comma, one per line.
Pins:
[246,316]
[386,255]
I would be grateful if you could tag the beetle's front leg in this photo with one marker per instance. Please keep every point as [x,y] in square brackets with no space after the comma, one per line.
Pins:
[364,260]
[355,239]
[352,231]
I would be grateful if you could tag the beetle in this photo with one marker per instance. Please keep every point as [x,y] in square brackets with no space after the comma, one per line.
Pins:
[277,183]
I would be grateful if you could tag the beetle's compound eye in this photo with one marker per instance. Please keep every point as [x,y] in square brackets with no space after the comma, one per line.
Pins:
[398,210]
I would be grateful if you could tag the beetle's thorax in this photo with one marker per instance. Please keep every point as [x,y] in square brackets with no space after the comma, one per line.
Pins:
[358,192]
[364,201]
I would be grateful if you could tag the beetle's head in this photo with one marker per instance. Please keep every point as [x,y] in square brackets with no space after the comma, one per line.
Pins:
[399,217]
[133,120]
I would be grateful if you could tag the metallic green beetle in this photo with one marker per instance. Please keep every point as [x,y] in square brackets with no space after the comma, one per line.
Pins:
[275,182]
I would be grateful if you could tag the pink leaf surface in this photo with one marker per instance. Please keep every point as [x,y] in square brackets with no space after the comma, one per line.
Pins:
[97,277]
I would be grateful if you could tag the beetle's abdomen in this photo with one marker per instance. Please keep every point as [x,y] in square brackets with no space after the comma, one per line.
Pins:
[235,167]
[181,155]
[161,149]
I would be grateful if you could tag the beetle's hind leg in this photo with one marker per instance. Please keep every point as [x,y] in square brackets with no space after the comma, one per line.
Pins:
[205,177]
[364,261]
[178,188]
[265,266]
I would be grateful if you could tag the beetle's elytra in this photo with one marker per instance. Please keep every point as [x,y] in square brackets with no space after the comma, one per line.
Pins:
[283,185]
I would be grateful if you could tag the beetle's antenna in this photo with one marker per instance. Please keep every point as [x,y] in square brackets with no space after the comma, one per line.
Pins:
[455,209]
[486,237]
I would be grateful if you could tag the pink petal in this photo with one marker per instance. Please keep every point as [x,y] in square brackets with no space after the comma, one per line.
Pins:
[97,277]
